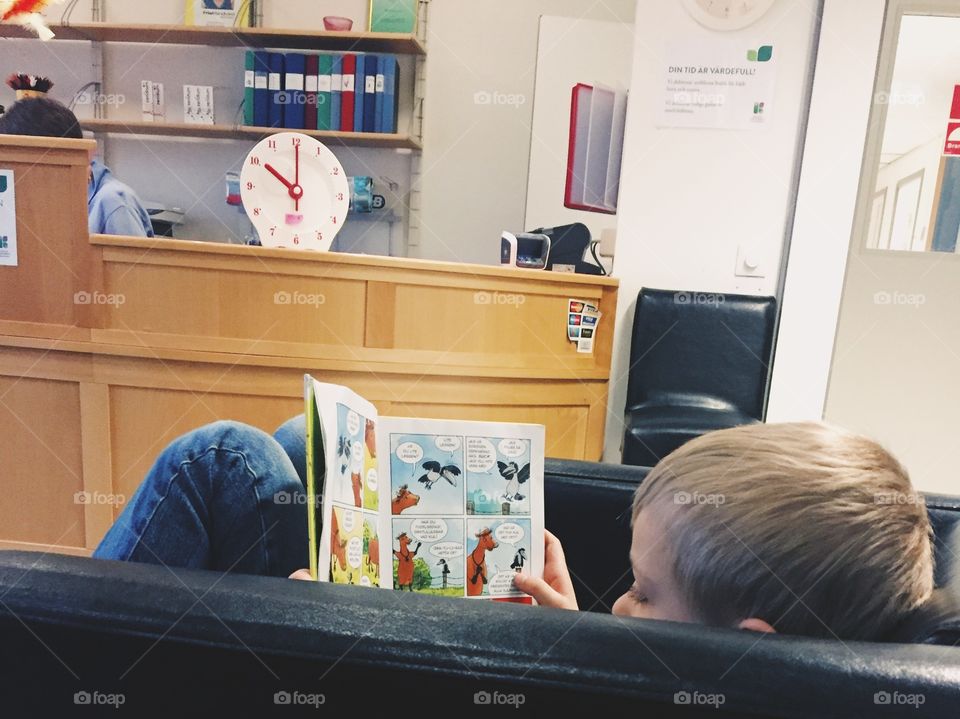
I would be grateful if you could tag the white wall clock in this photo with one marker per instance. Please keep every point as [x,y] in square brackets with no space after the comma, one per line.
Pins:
[727,14]
[295,192]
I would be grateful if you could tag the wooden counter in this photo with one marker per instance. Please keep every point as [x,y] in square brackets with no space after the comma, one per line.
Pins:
[110,347]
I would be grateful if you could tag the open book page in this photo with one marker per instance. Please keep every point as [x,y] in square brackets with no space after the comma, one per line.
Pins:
[342,467]
[466,506]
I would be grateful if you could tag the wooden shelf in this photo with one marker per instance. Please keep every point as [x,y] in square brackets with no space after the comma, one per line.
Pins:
[240,132]
[402,44]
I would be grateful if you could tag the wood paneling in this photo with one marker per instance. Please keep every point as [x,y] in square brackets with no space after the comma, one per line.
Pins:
[167,336]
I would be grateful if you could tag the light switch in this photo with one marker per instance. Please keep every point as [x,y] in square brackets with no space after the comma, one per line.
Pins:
[750,262]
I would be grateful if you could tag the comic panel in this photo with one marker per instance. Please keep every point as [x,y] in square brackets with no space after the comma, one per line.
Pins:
[497,549]
[498,471]
[370,570]
[346,545]
[347,484]
[428,555]
[426,473]
[371,496]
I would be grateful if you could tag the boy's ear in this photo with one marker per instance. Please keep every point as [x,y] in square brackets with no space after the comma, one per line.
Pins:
[753,624]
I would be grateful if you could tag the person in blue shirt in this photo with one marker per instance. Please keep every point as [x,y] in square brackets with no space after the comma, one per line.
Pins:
[112,207]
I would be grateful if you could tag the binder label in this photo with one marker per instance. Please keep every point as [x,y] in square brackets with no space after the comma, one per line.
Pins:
[312,83]
[337,82]
[371,84]
[248,80]
[275,81]
[294,81]
[348,83]
[325,83]
[380,83]
[260,81]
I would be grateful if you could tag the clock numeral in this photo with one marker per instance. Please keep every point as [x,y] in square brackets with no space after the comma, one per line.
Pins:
[255,161]
[340,196]
[296,140]
[334,171]
[272,144]
[333,219]
[296,239]
[273,230]
[257,211]
[250,185]
[319,237]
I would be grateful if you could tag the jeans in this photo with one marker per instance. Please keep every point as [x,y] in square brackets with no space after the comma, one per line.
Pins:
[227,497]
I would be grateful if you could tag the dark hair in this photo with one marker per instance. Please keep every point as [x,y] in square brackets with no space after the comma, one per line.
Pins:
[42,117]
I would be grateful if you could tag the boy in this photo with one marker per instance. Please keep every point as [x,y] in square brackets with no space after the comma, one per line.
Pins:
[797,528]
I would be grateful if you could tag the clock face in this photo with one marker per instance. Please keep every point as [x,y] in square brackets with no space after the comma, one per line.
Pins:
[727,14]
[295,192]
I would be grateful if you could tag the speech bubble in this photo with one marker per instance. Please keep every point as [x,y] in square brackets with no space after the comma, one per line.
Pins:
[512,447]
[356,449]
[509,532]
[447,444]
[446,550]
[372,479]
[354,552]
[353,422]
[410,452]
[427,529]
[480,454]
[349,519]
[365,580]
[502,583]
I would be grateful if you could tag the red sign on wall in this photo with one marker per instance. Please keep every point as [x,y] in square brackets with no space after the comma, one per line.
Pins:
[952,146]
[955,107]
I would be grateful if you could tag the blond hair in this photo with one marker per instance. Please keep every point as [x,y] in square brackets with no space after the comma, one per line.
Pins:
[811,528]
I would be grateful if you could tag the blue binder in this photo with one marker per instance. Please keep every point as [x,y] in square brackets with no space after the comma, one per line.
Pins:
[277,98]
[358,111]
[370,95]
[336,90]
[261,95]
[381,66]
[296,96]
[391,82]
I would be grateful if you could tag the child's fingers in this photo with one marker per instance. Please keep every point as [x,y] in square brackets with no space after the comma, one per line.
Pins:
[545,595]
[302,574]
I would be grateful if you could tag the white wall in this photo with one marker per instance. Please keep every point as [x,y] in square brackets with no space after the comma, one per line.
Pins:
[690,197]
[926,157]
[476,156]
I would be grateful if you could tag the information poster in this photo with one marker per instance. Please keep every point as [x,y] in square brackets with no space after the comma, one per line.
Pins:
[718,84]
[8,220]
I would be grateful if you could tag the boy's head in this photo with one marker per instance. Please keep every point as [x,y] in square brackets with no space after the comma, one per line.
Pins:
[42,117]
[801,528]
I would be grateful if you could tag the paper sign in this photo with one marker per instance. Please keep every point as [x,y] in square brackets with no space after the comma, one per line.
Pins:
[952,146]
[582,320]
[718,84]
[8,220]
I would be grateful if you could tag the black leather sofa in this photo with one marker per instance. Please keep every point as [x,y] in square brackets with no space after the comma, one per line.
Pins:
[78,633]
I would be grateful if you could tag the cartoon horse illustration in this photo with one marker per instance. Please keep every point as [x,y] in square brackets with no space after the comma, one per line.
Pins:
[404,499]
[337,545]
[355,482]
[477,562]
[405,557]
[373,556]
[370,438]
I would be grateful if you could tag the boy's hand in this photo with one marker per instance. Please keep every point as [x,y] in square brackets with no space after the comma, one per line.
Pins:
[555,589]
[302,574]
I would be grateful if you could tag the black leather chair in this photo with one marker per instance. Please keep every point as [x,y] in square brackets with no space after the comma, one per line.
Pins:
[186,642]
[698,362]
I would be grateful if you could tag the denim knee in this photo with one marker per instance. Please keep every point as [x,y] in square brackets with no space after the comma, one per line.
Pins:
[292,436]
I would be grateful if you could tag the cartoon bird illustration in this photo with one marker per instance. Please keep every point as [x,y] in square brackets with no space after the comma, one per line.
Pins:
[28,14]
[515,476]
[343,453]
[518,559]
[449,472]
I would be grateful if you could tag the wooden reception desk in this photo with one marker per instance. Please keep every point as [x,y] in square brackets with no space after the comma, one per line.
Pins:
[110,347]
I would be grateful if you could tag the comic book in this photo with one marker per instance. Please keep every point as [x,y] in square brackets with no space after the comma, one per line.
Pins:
[444,507]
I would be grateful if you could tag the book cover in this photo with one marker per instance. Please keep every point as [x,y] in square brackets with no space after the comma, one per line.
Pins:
[391,86]
[359,79]
[398,16]
[443,507]
[294,86]
[336,92]
[311,90]
[348,94]
[370,95]
[249,86]
[261,88]
[277,97]
[324,86]
[218,13]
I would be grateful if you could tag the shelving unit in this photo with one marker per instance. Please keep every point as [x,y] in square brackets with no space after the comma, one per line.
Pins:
[105,123]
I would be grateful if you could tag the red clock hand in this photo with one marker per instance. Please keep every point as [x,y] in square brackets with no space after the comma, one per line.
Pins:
[280,177]
[294,190]
[296,180]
